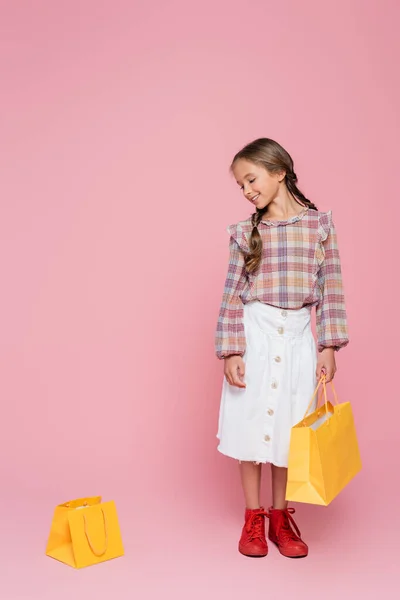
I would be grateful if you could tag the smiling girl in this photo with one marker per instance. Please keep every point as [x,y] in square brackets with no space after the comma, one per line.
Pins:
[283,261]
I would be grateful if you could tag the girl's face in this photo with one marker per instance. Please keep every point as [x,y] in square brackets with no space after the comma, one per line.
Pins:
[259,186]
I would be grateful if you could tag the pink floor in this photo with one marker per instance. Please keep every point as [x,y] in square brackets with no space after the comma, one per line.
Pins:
[187,548]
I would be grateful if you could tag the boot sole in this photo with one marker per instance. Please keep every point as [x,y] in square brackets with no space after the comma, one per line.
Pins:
[253,555]
[286,555]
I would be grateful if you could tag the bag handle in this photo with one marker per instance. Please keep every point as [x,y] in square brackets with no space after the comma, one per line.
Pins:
[323,381]
[96,552]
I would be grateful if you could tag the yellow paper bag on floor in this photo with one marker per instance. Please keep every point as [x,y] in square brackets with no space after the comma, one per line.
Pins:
[324,455]
[85,532]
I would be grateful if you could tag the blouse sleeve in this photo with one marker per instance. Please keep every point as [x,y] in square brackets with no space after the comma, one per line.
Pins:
[331,311]
[230,336]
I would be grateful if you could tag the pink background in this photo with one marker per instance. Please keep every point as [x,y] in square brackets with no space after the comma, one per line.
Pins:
[118,123]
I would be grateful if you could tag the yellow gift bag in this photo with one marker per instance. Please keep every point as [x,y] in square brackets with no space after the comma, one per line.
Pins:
[324,454]
[85,532]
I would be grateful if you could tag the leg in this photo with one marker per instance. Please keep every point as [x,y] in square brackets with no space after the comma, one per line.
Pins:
[283,530]
[279,481]
[250,475]
[252,541]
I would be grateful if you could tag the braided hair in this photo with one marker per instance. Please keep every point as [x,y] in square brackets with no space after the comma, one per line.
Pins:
[272,156]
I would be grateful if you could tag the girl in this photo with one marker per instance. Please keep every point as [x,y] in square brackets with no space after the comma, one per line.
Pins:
[283,260]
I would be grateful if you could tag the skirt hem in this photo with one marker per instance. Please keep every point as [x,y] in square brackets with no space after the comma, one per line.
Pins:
[263,461]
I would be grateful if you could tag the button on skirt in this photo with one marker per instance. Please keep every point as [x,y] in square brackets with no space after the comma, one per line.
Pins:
[280,364]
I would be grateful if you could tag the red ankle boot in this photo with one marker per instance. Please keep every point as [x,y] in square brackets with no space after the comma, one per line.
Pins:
[281,533]
[253,542]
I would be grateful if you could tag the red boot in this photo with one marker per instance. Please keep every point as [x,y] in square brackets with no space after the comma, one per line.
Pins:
[253,542]
[281,533]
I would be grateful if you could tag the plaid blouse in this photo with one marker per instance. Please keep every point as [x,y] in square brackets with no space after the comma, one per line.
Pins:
[300,267]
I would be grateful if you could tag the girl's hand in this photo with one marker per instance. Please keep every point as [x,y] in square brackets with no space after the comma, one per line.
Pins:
[326,364]
[234,370]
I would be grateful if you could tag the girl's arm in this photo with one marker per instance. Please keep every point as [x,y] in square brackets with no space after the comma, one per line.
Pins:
[230,336]
[331,310]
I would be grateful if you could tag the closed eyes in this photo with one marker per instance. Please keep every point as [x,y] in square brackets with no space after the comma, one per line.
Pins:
[250,181]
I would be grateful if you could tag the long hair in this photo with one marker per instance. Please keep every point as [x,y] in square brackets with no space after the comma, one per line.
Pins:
[273,157]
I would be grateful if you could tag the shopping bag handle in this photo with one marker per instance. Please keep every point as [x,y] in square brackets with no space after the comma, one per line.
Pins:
[323,381]
[97,552]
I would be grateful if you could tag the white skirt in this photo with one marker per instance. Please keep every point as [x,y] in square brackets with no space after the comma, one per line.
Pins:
[281,359]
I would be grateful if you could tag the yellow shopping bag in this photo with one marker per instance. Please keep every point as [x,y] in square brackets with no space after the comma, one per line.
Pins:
[85,532]
[324,454]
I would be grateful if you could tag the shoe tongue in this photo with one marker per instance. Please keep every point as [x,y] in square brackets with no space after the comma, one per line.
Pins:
[254,510]
[253,514]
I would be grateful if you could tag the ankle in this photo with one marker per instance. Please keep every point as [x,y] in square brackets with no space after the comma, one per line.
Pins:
[279,506]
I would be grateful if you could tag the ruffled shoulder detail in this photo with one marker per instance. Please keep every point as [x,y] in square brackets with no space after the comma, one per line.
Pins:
[324,224]
[240,233]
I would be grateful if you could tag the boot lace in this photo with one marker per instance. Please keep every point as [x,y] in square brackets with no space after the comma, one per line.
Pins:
[286,532]
[254,525]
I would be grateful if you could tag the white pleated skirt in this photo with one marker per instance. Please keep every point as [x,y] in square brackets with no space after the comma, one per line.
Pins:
[281,359]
